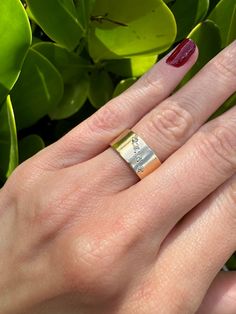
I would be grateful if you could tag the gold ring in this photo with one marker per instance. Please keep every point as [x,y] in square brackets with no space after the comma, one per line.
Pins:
[139,156]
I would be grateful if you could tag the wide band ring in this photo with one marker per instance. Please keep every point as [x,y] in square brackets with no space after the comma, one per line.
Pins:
[139,156]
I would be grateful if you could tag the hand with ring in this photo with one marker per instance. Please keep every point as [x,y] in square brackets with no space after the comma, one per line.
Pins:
[134,210]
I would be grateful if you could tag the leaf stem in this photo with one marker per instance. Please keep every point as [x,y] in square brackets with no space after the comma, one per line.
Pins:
[101,18]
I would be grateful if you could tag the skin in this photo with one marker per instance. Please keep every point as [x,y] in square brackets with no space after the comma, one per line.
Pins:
[80,234]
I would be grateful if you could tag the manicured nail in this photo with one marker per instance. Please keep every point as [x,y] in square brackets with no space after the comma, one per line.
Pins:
[182,53]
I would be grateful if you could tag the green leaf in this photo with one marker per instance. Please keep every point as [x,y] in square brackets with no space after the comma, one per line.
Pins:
[37,91]
[29,146]
[35,40]
[30,15]
[123,85]
[59,20]
[213,3]
[122,29]
[232,32]
[100,88]
[74,97]
[188,14]
[70,65]
[84,8]
[224,15]
[207,37]
[135,66]
[231,263]
[73,69]
[8,140]
[15,38]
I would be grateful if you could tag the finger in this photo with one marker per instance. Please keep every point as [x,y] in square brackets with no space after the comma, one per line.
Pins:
[169,125]
[221,296]
[172,122]
[202,164]
[200,245]
[94,134]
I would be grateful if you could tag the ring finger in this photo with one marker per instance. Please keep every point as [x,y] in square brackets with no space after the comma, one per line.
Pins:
[171,123]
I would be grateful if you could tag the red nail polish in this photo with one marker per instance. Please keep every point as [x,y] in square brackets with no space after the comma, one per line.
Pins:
[182,53]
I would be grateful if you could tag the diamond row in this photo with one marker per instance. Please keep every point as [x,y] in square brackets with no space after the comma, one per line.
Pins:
[137,151]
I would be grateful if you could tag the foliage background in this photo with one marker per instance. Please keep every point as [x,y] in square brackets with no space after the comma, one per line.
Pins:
[61,60]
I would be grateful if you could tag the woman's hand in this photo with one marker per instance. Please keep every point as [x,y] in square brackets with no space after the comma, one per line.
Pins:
[80,234]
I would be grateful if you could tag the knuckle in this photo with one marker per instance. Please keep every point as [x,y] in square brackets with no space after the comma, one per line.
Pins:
[95,261]
[105,119]
[219,147]
[224,65]
[173,122]
[151,81]
[91,266]
[26,175]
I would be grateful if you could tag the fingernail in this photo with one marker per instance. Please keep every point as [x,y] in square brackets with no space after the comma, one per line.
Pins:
[182,53]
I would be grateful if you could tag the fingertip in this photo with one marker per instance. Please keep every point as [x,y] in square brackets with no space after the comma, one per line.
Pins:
[182,53]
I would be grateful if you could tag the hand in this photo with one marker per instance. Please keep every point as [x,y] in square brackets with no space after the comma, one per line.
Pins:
[82,235]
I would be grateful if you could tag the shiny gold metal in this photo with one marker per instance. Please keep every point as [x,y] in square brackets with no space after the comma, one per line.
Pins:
[140,157]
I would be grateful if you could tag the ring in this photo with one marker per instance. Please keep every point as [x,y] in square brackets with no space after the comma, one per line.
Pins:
[139,156]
